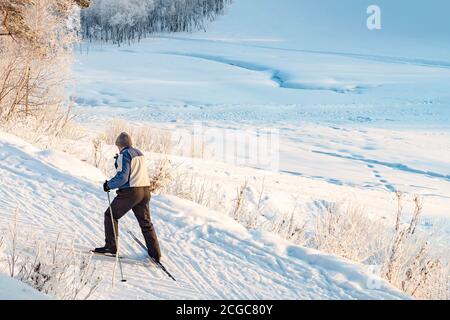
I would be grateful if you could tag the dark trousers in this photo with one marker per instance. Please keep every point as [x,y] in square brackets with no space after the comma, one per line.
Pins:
[136,199]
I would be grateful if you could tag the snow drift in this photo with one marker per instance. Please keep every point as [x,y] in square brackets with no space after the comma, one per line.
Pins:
[11,289]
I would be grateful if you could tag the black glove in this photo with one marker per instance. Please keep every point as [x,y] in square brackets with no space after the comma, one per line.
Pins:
[105,187]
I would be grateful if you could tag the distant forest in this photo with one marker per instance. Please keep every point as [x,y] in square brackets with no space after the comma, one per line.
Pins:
[121,21]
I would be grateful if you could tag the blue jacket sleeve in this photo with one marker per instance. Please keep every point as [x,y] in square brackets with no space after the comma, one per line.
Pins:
[123,172]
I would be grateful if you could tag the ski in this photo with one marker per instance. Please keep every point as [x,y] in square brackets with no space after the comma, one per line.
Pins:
[159,264]
[108,255]
[124,259]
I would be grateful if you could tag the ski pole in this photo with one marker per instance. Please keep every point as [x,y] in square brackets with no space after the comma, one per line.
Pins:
[116,237]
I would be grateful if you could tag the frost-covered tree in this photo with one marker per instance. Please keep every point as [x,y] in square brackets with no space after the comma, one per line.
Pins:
[36,40]
[13,16]
[129,20]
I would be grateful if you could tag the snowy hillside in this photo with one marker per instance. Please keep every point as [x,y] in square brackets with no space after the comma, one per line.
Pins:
[209,254]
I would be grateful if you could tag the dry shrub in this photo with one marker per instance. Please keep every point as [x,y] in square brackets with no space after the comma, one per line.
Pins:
[144,137]
[347,231]
[147,138]
[97,146]
[47,129]
[160,175]
[406,254]
[34,69]
[242,210]
[289,226]
[240,205]
[64,275]
[411,262]
[46,267]
[191,186]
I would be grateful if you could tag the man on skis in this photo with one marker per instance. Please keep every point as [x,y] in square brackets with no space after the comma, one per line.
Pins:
[133,184]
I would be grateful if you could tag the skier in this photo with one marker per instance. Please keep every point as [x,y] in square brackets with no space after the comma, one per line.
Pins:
[133,184]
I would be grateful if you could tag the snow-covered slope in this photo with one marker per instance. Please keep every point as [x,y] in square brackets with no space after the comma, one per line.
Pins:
[12,289]
[209,253]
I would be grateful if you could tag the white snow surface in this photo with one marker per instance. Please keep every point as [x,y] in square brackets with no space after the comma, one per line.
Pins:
[12,289]
[210,255]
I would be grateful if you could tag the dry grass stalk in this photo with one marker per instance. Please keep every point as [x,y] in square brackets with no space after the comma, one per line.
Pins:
[144,137]
[67,276]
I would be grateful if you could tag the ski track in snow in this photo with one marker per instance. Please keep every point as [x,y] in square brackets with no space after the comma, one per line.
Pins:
[209,254]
